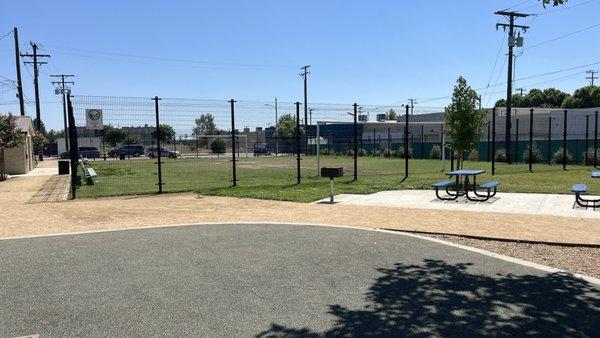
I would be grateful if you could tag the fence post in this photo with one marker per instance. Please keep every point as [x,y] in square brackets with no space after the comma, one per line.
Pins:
[549,139]
[74,149]
[298,176]
[355,136]
[517,142]
[530,140]
[494,141]
[233,137]
[374,141]
[158,135]
[565,139]
[422,141]
[596,138]
[488,142]
[406,152]
[587,139]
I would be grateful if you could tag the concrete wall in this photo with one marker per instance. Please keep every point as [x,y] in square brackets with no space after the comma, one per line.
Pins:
[20,160]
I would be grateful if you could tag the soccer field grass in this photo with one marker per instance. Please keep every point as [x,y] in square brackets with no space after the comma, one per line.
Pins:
[275,177]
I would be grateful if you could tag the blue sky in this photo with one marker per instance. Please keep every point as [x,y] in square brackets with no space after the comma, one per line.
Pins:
[371,52]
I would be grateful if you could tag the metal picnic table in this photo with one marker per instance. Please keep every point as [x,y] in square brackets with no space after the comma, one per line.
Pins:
[469,185]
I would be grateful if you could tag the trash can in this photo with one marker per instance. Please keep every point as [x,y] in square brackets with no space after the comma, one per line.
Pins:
[63,167]
[121,156]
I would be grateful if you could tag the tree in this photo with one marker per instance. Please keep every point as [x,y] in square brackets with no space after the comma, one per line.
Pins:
[553,2]
[112,135]
[167,134]
[217,146]
[391,115]
[131,139]
[463,120]
[42,126]
[286,128]
[205,125]
[10,137]
[39,143]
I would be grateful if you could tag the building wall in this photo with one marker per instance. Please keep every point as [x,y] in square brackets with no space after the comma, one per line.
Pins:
[19,160]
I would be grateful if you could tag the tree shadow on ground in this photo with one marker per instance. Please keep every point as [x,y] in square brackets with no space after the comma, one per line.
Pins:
[440,299]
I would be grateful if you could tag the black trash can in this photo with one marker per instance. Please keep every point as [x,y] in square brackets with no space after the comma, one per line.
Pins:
[63,167]
[121,156]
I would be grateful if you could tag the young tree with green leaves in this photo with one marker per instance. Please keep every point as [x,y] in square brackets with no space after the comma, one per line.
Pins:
[391,115]
[464,122]
[205,125]
[10,137]
[286,129]
[112,135]
[167,134]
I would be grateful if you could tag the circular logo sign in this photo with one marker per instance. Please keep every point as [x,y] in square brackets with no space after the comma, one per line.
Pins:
[94,114]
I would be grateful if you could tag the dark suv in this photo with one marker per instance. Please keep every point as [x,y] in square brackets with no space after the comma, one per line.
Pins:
[85,152]
[134,150]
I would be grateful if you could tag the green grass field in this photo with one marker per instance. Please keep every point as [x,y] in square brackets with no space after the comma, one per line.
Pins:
[275,177]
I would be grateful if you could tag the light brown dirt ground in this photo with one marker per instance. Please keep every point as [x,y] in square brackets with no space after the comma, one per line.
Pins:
[18,218]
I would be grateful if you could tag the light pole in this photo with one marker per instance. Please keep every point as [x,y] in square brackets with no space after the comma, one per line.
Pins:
[276,123]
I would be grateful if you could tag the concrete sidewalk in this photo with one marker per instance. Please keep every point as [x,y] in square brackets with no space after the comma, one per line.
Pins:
[512,203]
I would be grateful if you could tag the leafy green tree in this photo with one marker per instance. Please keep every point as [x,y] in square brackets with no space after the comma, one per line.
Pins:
[553,2]
[217,146]
[205,125]
[42,126]
[167,134]
[112,135]
[286,128]
[131,139]
[39,143]
[553,98]
[463,120]
[10,137]
[391,115]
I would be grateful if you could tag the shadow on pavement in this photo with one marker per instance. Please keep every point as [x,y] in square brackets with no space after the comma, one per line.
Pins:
[436,298]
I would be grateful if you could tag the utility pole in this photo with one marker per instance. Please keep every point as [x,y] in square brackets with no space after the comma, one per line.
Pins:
[412,106]
[18,66]
[520,90]
[592,76]
[310,115]
[63,90]
[479,100]
[36,75]
[304,75]
[512,41]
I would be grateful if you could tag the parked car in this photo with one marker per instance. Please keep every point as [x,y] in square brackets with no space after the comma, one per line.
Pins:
[85,152]
[261,149]
[153,152]
[134,150]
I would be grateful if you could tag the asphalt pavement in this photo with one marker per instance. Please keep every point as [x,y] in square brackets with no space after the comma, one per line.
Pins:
[278,280]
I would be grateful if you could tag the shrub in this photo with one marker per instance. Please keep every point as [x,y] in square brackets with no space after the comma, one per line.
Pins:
[362,152]
[217,146]
[387,152]
[557,157]
[590,158]
[536,154]
[500,155]
[474,155]
[436,152]
[401,153]
[350,152]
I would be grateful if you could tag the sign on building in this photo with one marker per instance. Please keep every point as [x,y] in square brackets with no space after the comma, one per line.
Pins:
[93,119]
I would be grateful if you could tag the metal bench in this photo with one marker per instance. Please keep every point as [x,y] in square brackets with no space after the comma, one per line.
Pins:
[581,189]
[89,174]
[491,187]
[445,184]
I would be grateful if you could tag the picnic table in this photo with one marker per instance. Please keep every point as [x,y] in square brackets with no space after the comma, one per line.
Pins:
[581,189]
[463,187]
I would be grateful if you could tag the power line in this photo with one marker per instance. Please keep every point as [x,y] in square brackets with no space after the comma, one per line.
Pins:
[562,36]
[592,75]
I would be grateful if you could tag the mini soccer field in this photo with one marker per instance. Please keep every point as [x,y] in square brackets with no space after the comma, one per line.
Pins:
[271,177]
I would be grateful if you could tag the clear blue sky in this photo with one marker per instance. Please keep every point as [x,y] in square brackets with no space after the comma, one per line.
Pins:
[370,52]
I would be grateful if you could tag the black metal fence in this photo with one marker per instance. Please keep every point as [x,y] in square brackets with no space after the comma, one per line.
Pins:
[168,145]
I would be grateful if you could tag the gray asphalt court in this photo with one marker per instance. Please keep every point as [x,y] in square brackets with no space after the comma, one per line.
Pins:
[278,281]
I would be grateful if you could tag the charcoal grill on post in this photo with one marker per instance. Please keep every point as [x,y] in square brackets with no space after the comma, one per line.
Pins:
[331,173]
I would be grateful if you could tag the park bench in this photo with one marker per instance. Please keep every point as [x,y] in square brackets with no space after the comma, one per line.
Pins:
[88,173]
[491,187]
[581,189]
[445,184]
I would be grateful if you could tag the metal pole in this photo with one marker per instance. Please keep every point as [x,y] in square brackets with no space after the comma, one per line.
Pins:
[276,124]
[549,139]
[596,138]
[355,136]
[318,149]
[565,139]
[517,141]
[74,152]
[233,172]
[443,147]
[422,141]
[298,176]
[406,152]
[158,136]
[530,140]
[488,144]
[587,139]
[494,141]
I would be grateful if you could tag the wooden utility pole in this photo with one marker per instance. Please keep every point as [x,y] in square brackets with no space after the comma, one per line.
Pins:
[18,66]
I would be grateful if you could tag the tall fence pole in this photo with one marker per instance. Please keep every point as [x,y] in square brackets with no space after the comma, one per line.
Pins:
[158,153]
[355,136]
[587,139]
[530,140]
[494,141]
[233,136]
[595,138]
[406,152]
[488,142]
[422,141]
[374,140]
[74,149]
[565,139]
[298,176]
[517,141]
[549,140]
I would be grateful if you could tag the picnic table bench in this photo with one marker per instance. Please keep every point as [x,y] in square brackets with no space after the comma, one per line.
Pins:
[88,173]
[466,187]
[581,189]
